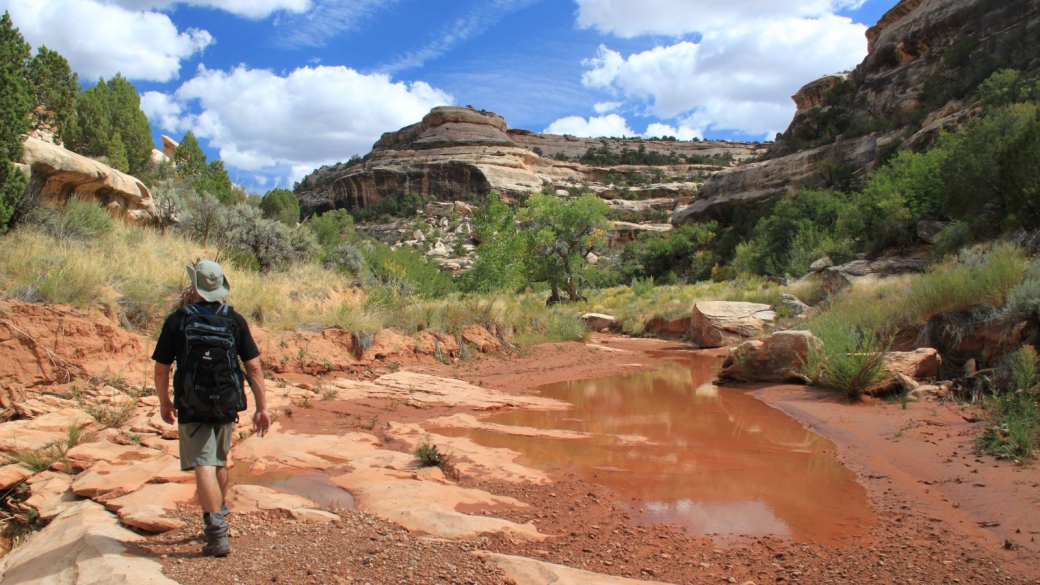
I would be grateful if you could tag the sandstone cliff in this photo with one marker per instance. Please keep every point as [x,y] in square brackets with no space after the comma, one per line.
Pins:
[925,59]
[457,153]
[61,174]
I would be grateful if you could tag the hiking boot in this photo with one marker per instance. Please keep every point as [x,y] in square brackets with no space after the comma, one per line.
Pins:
[216,547]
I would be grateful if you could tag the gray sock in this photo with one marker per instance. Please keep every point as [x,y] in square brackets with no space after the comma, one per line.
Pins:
[215,525]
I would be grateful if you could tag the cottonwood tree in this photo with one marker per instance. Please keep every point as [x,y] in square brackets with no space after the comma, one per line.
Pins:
[559,235]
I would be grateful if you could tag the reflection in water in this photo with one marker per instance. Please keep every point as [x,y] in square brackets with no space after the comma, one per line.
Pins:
[718,461]
[315,486]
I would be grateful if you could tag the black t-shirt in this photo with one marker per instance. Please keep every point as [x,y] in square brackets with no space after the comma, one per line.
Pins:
[171,346]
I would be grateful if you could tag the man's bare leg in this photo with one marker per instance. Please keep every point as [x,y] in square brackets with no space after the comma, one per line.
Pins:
[210,488]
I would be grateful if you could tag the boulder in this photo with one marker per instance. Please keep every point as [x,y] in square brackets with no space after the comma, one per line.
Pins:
[795,305]
[62,174]
[903,368]
[431,342]
[918,364]
[84,544]
[668,328]
[928,231]
[820,264]
[481,338]
[598,321]
[727,323]
[836,278]
[775,358]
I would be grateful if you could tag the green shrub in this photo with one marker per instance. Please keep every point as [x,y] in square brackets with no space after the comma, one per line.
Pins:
[77,219]
[281,205]
[852,356]
[428,454]
[1011,433]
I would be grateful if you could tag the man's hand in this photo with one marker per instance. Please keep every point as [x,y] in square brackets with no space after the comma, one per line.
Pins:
[261,422]
[168,412]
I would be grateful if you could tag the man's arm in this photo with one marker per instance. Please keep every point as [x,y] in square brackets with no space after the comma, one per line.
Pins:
[255,375]
[162,388]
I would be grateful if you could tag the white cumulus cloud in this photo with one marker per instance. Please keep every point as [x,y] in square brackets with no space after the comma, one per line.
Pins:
[309,117]
[606,107]
[609,125]
[739,78]
[631,18]
[101,39]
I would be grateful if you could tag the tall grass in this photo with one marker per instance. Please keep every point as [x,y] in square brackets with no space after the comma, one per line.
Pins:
[852,356]
[979,276]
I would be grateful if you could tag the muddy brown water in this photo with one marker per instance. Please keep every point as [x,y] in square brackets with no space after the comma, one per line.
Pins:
[716,461]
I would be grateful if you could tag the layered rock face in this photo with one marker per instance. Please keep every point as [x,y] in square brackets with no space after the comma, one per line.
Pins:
[906,48]
[61,174]
[456,153]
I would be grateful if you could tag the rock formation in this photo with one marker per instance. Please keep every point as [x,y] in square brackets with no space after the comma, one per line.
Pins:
[61,174]
[458,153]
[906,50]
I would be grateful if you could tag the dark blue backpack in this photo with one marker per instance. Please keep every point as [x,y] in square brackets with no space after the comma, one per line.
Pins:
[208,382]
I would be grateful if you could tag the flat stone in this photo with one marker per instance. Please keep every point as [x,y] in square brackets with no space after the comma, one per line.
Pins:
[12,475]
[146,508]
[245,498]
[85,455]
[84,544]
[311,516]
[525,571]
[106,480]
[52,495]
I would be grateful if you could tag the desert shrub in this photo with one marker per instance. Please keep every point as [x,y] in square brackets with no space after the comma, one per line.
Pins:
[1023,300]
[270,242]
[330,227]
[404,272]
[428,454]
[981,276]
[77,219]
[851,357]
[204,217]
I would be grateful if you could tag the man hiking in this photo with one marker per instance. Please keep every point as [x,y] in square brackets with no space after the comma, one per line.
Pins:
[205,339]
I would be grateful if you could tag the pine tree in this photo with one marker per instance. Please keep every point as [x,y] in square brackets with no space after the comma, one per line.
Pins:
[54,89]
[15,106]
[131,123]
[93,121]
[117,158]
[189,158]
[111,107]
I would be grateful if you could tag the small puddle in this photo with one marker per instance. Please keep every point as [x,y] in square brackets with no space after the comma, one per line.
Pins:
[313,485]
[718,462]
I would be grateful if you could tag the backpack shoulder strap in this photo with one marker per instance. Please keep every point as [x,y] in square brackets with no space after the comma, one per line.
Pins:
[190,309]
[224,310]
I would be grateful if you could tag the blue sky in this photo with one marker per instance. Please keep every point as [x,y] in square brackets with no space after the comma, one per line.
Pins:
[278,87]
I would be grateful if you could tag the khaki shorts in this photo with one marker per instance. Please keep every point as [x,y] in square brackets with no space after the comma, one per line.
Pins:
[204,444]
